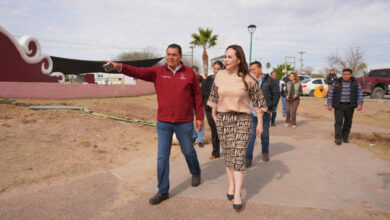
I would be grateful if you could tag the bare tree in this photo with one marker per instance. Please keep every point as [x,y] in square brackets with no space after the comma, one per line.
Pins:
[326,70]
[308,70]
[145,54]
[354,59]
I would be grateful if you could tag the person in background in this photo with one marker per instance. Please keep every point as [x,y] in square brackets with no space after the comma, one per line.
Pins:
[270,90]
[206,89]
[178,94]
[293,92]
[345,95]
[198,76]
[283,95]
[195,134]
[230,97]
[274,112]
[330,78]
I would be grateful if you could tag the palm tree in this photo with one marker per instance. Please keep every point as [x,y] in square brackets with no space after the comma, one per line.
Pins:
[204,39]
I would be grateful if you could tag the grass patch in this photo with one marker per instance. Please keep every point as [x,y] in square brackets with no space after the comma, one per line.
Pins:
[378,143]
[29,121]
[85,144]
[100,151]
[140,98]
[374,113]
[5,117]
[6,125]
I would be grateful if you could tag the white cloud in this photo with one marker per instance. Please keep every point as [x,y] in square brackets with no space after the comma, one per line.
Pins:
[284,27]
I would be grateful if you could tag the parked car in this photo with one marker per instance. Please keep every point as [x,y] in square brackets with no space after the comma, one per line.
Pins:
[303,77]
[376,84]
[309,85]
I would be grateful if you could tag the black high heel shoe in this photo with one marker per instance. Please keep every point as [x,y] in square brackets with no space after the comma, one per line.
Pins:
[230,196]
[237,207]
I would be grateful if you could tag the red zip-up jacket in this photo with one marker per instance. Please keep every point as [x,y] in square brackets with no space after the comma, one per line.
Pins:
[177,94]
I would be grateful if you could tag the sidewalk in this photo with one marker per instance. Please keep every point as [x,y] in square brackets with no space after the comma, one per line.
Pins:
[308,177]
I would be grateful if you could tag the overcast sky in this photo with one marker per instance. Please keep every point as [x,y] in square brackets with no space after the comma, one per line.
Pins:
[86,29]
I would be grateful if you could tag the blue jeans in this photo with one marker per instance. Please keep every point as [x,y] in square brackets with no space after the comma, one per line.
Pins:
[199,135]
[284,105]
[264,136]
[274,113]
[183,131]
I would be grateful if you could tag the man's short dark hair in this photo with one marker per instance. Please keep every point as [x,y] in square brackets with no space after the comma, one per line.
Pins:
[256,62]
[347,70]
[175,46]
[219,63]
[195,68]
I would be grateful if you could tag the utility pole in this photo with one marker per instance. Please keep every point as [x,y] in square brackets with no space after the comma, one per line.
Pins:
[301,53]
[288,60]
[192,56]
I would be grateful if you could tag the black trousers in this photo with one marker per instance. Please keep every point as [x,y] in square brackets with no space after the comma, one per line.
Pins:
[343,121]
[214,134]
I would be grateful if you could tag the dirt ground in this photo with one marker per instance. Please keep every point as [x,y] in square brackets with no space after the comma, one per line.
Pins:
[375,112]
[44,146]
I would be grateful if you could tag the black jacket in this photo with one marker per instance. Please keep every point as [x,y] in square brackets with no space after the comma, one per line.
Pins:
[337,90]
[330,79]
[271,91]
[206,89]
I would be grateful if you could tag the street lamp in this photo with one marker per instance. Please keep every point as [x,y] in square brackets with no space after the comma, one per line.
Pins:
[251,29]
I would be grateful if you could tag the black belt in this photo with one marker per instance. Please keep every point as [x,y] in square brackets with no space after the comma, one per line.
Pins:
[345,103]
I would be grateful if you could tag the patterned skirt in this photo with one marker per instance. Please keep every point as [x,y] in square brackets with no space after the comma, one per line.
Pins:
[234,130]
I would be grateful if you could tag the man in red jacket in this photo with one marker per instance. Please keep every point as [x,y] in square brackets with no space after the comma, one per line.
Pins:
[178,93]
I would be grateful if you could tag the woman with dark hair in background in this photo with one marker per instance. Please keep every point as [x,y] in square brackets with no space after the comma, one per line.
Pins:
[230,97]
[206,89]
[293,92]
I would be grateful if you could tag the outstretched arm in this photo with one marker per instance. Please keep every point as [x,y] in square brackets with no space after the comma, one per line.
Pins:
[144,73]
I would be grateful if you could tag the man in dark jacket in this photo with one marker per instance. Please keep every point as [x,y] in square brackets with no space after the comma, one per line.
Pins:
[178,94]
[345,95]
[206,89]
[330,78]
[271,92]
